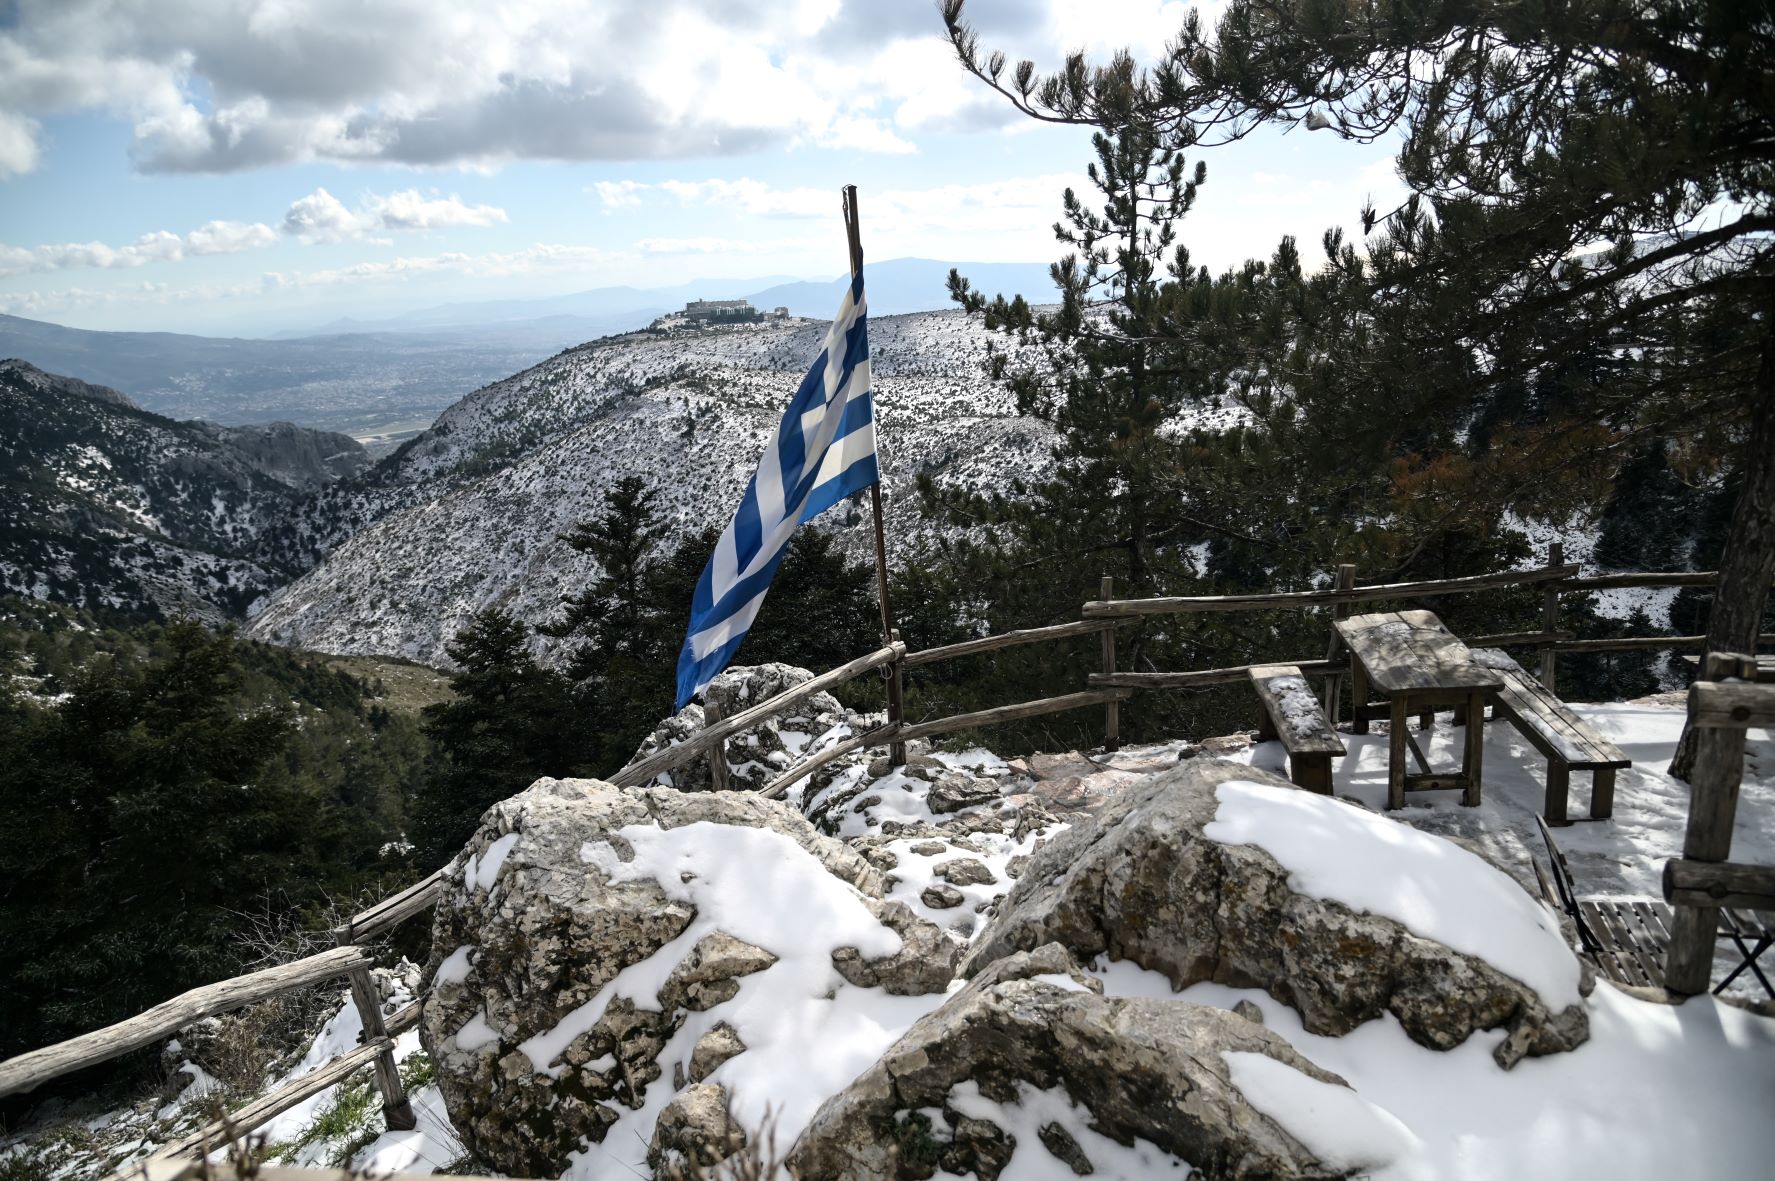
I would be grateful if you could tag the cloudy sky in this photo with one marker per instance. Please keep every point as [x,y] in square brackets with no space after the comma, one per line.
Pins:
[216,165]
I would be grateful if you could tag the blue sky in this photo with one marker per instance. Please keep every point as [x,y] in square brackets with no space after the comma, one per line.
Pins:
[250,165]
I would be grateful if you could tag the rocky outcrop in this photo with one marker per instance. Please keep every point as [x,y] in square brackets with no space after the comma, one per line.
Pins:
[299,456]
[539,1047]
[756,756]
[1141,882]
[1152,1071]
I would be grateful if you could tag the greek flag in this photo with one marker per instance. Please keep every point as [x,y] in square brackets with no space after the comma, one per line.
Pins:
[824,450]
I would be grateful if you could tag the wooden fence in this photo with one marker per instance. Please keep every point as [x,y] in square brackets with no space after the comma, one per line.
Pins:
[1103,689]
[1723,704]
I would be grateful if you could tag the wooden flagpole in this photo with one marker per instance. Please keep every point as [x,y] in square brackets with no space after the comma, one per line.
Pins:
[889,634]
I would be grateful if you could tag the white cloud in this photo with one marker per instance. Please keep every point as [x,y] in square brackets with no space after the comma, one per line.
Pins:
[754,197]
[216,237]
[223,85]
[542,258]
[988,206]
[322,217]
[18,144]
[615,194]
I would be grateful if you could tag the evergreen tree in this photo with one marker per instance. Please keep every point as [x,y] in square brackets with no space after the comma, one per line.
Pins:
[1531,138]
[145,824]
[511,722]
[1100,370]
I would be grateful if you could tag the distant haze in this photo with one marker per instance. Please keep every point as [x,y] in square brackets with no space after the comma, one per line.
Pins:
[383,380]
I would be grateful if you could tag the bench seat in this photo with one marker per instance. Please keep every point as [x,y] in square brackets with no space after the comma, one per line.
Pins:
[1568,742]
[1293,716]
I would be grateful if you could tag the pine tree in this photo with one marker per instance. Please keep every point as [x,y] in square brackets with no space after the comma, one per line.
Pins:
[1102,373]
[511,722]
[1530,139]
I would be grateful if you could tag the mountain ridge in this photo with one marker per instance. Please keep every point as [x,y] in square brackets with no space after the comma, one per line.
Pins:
[109,505]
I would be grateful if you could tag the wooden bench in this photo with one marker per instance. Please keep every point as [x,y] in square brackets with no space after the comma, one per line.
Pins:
[1567,741]
[1293,716]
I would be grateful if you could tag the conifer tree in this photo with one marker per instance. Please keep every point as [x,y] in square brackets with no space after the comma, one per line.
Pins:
[1587,179]
[1099,368]
[511,722]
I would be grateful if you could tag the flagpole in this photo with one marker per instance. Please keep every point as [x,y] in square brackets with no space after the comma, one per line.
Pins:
[891,673]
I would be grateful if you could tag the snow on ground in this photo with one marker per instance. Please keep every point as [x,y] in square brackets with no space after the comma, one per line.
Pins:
[762,888]
[1658,1092]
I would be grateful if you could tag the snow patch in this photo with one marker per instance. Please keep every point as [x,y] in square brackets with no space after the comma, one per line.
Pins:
[1337,1125]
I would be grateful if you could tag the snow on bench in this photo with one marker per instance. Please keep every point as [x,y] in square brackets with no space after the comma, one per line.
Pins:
[1292,715]
[1568,741]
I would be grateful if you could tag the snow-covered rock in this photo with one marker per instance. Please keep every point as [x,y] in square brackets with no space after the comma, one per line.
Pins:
[1130,1087]
[591,941]
[1217,872]
[759,755]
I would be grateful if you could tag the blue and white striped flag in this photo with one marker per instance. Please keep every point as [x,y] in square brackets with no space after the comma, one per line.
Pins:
[824,450]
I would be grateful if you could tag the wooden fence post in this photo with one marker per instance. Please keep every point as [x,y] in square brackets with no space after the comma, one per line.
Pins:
[1334,681]
[1550,619]
[718,780]
[397,1109]
[896,699]
[1112,712]
[1713,804]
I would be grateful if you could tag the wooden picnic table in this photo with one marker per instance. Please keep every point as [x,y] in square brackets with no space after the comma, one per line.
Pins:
[1419,665]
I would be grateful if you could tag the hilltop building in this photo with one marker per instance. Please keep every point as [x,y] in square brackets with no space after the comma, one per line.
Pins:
[709,313]
[729,311]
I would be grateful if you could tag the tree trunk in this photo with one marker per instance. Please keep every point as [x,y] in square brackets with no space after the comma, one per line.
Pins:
[1748,562]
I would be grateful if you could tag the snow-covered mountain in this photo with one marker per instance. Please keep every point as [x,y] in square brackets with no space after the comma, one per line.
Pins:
[109,505]
[469,515]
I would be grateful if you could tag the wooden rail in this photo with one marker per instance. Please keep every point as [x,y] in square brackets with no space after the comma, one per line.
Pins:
[1719,883]
[1201,677]
[392,911]
[880,736]
[1125,608]
[1012,713]
[1010,639]
[274,1103]
[39,1066]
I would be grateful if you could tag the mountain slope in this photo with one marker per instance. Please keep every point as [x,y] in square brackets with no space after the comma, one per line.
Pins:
[470,514]
[108,505]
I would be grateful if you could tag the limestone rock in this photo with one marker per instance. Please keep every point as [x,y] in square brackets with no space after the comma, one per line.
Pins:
[1149,1070]
[756,756]
[710,973]
[532,923]
[712,1049]
[1141,882]
[925,962]
[954,790]
[966,871]
[696,1128]
[937,896]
